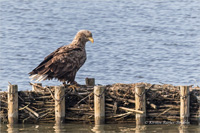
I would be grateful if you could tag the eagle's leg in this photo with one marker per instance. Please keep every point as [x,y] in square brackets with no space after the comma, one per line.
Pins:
[72,85]
[64,84]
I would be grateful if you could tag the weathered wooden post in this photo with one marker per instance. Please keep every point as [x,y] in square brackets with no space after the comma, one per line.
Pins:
[90,82]
[99,105]
[140,104]
[35,88]
[185,104]
[12,104]
[59,104]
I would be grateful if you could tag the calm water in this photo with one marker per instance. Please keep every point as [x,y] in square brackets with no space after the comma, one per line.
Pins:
[109,128]
[135,41]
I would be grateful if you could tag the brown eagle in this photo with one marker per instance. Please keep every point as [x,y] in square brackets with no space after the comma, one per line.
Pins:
[63,63]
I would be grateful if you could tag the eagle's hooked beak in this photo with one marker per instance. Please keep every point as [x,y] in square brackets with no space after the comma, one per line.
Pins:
[91,39]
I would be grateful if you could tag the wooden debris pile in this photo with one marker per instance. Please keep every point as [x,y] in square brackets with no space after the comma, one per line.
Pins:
[194,105]
[163,103]
[3,107]
[120,103]
[79,105]
[36,106]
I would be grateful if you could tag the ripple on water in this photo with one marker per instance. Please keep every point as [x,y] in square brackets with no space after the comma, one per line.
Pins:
[135,41]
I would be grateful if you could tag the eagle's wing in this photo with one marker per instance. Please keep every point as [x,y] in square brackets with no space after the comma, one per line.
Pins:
[58,64]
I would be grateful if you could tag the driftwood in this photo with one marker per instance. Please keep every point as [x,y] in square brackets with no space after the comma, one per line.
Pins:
[36,105]
[131,110]
[163,112]
[122,99]
[126,109]
[30,110]
[152,105]
[3,107]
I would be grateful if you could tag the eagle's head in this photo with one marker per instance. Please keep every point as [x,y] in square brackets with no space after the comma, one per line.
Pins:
[84,36]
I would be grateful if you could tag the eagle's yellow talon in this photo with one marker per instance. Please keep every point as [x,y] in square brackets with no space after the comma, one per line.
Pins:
[73,87]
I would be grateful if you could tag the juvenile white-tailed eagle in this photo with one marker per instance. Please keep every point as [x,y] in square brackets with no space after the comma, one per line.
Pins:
[63,63]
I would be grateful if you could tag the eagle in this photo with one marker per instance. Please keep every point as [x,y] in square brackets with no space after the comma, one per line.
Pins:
[64,63]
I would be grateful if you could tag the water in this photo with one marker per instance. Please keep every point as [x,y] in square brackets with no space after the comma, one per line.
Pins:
[109,128]
[135,41]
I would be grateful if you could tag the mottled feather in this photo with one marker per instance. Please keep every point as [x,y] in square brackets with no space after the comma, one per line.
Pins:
[63,63]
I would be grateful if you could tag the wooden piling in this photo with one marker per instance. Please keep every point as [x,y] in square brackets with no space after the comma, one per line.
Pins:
[12,104]
[99,104]
[140,104]
[59,104]
[185,104]
[35,88]
[90,82]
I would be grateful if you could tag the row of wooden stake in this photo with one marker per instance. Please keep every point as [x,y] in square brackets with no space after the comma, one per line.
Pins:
[99,104]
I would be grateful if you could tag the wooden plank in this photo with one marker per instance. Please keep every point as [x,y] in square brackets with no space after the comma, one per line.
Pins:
[131,110]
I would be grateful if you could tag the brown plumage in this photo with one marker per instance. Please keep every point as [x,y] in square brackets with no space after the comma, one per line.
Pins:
[63,63]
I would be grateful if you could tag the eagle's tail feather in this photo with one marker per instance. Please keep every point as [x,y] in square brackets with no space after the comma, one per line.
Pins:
[38,77]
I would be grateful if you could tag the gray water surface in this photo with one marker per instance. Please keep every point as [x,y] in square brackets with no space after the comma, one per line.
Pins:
[108,128]
[135,41]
